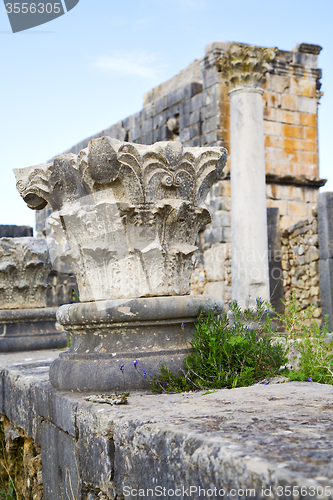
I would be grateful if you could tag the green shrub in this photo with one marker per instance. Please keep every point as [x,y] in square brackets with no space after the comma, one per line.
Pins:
[233,350]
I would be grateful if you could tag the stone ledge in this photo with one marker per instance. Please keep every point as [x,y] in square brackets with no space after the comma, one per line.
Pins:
[246,438]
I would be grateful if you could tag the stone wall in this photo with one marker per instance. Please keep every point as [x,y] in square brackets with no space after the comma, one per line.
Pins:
[300,263]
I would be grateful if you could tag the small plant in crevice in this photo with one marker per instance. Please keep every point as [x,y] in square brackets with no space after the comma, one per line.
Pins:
[314,362]
[294,319]
[232,350]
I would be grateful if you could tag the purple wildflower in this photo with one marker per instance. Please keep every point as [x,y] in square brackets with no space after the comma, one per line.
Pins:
[144,374]
[121,367]
[134,363]
[309,379]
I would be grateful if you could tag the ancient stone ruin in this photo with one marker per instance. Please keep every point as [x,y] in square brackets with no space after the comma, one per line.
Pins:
[126,217]
[194,107]
[25,321]
[131,215]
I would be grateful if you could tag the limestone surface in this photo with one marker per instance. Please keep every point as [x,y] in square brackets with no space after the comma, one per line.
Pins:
[273,441]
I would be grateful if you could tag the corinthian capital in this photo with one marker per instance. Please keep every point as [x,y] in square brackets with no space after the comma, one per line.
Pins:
[24,269]
[245,66]
[130,213]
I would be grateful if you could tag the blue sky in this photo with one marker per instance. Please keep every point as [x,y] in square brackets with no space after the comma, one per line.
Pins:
[84,71]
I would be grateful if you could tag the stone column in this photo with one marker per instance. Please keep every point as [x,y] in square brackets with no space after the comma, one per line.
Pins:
[25,321]
[243,68]
[325,237]
[130,214]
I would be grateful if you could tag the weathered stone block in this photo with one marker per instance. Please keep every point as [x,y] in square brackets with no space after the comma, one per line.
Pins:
[19,400]
[326,288]
[161,134]
[61,464]
[210,77]
[185,135]
[289,102]
[221,219]
[135,133]
[195,142]
[159,120]
[148,138]
[196,102]
[194,130]
[58,408]
[274,259]
[214,262]
[195,117]
[175,96]
[96,453]
[148,111]
[311,254]
[325,225]
[210,110]
[128,122]
[307,104]
[185,107]
[221,203]
[191,89]
[172,111]
[10,231]
[137,118]
[210,124]
[213,235]
[184,121]
[215,288]
[118,132]
[147,126]
[160,105]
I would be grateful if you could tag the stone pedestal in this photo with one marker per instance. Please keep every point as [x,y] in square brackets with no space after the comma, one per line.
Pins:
[25,321]
[243,68]
[130,214]
[30,329]
[122,344]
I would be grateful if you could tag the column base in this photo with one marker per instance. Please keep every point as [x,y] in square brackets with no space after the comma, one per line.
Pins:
[30,329]
[120,345]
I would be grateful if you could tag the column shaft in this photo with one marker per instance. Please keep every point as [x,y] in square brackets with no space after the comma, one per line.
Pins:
[250,278]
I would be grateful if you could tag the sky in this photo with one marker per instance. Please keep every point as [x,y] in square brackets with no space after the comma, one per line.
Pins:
[84,71]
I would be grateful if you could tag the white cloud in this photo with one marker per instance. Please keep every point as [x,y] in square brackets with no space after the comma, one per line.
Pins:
[129,63]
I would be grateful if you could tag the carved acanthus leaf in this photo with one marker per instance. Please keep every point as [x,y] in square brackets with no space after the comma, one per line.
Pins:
[245,65]
[24,268]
